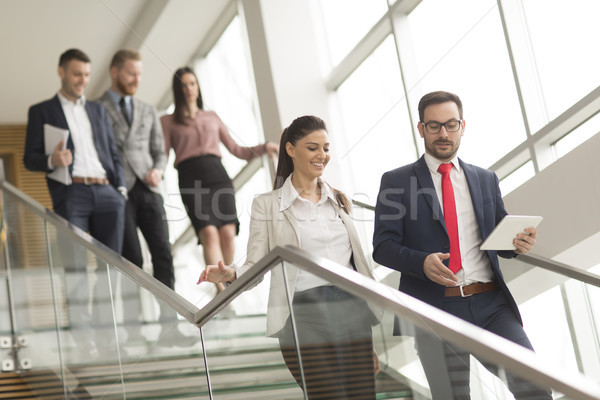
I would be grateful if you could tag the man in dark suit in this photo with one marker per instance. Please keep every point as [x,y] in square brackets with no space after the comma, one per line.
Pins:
[95,200]
[140,141]
[426,237]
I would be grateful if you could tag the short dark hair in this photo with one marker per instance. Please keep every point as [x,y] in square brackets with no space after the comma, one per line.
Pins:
[438,98]
[123,55]
[72,54]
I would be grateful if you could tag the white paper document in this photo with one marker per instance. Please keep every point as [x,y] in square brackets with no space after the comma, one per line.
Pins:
[502,236]
[52,137]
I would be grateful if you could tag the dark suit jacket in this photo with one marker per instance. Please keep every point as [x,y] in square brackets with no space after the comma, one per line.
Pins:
[409,225]
[50,112]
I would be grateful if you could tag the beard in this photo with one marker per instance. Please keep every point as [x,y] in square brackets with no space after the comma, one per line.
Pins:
[126,89]
[442,155]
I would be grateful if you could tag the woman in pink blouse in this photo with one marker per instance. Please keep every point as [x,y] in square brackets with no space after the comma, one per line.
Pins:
[206,189]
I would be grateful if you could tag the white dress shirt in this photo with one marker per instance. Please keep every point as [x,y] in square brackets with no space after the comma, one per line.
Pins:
[475,263]
[322,232]
[86,162]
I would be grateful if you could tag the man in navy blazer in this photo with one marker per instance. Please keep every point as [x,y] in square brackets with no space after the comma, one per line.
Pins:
[410,236]
[94,201]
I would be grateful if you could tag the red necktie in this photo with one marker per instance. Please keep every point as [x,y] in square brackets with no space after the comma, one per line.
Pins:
[450,217]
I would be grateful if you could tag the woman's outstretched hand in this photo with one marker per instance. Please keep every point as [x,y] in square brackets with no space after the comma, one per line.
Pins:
[376,364]
[217,273]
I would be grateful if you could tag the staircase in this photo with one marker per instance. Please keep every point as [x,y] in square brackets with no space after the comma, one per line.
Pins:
[245,365]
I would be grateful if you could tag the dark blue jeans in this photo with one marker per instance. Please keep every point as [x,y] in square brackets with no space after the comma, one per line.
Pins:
[98,210]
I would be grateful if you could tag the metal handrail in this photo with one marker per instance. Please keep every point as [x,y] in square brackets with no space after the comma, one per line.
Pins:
[538,261]
[560,268]
[478,341]
[78,236]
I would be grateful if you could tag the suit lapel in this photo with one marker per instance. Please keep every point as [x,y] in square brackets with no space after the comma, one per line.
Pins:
[281,227]
[95,121]
[425,184]
[136,116]
[62,120]
[475,191]
[292,221]
[360,261]
[116,114]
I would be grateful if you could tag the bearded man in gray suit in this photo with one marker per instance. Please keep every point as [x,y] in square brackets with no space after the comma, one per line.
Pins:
[139,137]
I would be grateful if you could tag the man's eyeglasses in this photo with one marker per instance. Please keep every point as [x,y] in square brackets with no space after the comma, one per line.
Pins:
[435,127]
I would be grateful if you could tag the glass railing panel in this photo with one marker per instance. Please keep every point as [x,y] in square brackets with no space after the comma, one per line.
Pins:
[346,345]
[31,322]
[560,317]
[87,338]
[338,332]
[244,360]
[161,354]
[111,338]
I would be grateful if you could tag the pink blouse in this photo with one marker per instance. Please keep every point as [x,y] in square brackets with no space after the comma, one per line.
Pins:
[202,137]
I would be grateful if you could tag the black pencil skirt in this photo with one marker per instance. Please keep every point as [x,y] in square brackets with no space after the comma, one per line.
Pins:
[207,192]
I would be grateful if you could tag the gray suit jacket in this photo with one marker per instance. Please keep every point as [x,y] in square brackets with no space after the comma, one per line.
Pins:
[270,228]
[142,146]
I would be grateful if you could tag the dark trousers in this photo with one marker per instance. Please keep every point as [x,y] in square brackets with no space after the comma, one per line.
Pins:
[144,209]
[99,210]
[447,367]
[336,348]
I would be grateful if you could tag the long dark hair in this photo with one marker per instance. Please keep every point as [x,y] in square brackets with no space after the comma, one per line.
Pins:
[298,129]
[180,101]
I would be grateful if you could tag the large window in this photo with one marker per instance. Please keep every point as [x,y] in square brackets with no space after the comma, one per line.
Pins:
[347,21]
[226,84]
[458,46]
[376,134]
[577,136]
[555,39]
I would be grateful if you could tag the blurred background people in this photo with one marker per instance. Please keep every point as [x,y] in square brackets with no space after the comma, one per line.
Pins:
[91,195]
[139,138]
[206,188]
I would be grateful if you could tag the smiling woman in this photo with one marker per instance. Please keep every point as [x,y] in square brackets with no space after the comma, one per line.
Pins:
[306,212]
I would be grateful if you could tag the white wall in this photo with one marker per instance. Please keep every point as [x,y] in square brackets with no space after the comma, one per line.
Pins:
[567,195]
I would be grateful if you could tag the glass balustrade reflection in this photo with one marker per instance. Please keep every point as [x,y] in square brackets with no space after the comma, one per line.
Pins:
[32,324]
[560,316]
[351,346]
[84,325]
[244,359]
[161,354]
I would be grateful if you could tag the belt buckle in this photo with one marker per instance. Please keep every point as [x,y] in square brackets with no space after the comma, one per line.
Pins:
[462,294]
[85,181]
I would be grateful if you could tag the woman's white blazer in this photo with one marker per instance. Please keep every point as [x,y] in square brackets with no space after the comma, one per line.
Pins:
[269,228]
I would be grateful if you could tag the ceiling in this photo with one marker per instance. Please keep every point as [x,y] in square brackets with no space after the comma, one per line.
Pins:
[34,33]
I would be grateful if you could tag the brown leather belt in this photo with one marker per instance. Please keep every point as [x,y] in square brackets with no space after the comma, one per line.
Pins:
[469,290]
[90,181]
